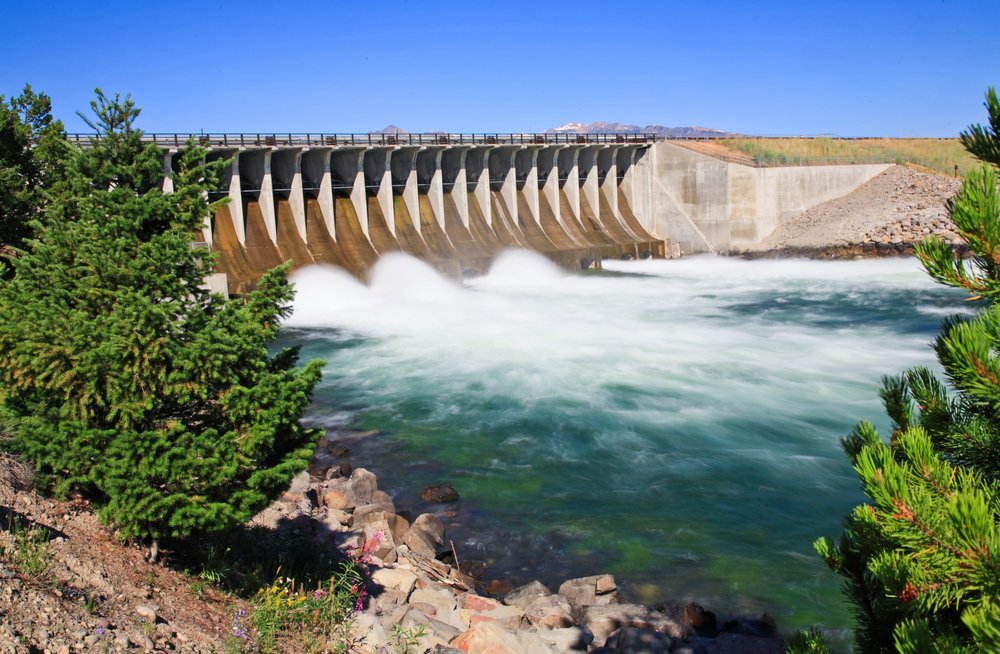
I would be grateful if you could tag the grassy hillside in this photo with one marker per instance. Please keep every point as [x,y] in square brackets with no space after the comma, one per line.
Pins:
[940,155]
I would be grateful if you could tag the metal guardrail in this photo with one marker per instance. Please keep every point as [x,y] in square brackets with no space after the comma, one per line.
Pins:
[263,140]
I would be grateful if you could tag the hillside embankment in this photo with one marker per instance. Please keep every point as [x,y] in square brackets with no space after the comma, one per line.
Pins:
[83,590]
[885,216]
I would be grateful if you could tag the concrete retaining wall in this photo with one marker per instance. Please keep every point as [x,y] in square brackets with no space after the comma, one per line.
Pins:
[708,205]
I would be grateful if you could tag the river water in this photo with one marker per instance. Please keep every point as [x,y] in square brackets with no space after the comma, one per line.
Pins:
[675,423]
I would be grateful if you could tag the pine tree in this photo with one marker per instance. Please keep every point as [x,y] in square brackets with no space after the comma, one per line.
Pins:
[127,381]
[922,560]
[31,152]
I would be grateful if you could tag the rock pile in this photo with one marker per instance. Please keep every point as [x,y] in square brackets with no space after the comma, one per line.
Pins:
[887,215]
[412,588]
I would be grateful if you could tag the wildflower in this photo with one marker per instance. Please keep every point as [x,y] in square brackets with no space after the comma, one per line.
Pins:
[319,594]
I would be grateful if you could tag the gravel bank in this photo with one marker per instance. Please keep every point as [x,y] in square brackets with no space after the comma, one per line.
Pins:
[886,215]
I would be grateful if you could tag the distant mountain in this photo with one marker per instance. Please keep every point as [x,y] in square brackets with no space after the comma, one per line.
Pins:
[622,128]
[389,129]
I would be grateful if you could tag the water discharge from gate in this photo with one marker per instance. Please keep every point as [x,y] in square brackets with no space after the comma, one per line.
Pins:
[676,423]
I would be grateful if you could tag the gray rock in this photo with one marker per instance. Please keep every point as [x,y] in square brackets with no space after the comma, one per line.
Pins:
[570,639]
[444,603]
[442,630]
[551,611]
[440,494]
[603,620]
[426,535]
[354,491]
[633,640]
[395,579]
[369,512]
[524,595]
[378,531]
[147,611]
[583,592]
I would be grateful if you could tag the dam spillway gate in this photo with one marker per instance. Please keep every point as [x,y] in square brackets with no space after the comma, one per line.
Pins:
[454,201]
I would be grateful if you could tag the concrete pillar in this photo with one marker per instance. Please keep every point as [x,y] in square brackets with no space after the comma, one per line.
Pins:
[625,162]
[587,162]
[569,173]
[548,180]
[526,172]
[378,182]
[236,198]
[478,174]
[403,167]
[608,176]
[348,168]
[315,166]
[429,178]
[638,186]
[286,168]
[168,171]
[453,179]
[297,197]
[266,199]
[503,174]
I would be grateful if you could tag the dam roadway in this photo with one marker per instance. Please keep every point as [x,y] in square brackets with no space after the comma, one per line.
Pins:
[456,200]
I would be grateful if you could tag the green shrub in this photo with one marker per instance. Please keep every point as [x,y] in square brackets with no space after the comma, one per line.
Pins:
[921,560]
[121,376]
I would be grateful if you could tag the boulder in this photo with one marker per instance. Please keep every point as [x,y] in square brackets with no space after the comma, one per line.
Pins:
[350,492]
[508,617]
[488,638]
[443,603]
[336,498]
[381,497]
[639,641]
[440,494]
[499,587]
[598,590]
[366,626]
[524,595]
[570,639]
[602,620]
[394,579]
[426,535]
[551,611]
[370,513]
[379,533]
[477,603]
[690,614]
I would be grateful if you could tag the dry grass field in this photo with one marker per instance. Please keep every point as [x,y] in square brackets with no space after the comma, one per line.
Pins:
[939,155]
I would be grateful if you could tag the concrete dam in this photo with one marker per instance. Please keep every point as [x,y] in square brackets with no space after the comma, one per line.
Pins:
[456,200]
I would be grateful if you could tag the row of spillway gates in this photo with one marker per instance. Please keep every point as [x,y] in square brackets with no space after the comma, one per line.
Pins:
[454,201]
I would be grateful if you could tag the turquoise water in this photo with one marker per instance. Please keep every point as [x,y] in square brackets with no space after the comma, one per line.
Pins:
[675,423]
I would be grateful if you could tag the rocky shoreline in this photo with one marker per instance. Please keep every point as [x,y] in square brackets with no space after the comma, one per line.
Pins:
[418,579]
[101,595]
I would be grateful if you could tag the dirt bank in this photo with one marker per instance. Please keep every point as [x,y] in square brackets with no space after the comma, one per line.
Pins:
[884,216]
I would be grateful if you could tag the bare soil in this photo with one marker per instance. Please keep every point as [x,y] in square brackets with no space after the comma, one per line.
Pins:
[97,594]
[887,214]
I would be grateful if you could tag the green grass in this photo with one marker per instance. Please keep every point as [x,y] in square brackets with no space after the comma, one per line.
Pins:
[939,155]
[31,554]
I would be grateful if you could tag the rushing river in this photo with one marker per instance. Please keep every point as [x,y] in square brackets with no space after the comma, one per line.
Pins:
[675,423]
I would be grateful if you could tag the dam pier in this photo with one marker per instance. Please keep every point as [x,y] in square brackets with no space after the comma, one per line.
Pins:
[456,200]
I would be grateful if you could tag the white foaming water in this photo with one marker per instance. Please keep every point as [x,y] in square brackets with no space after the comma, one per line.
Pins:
[687,409]
[696,326]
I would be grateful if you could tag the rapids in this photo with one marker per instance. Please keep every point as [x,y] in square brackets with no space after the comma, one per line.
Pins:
[673,422]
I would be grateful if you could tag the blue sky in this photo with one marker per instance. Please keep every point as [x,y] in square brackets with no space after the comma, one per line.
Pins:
[914,68]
